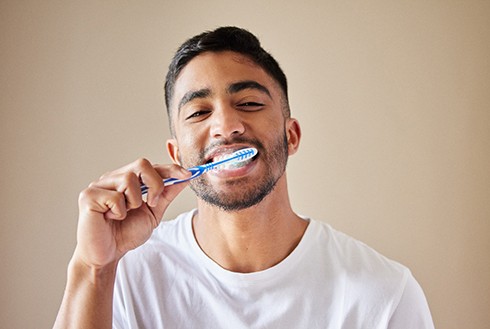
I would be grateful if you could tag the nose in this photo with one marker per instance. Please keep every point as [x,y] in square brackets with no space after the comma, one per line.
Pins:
[226,123]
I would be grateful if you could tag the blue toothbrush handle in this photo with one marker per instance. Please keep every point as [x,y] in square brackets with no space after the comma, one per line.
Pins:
[196,172]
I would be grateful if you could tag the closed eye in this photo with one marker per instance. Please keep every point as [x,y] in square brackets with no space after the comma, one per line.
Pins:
[251,106]
[198,114]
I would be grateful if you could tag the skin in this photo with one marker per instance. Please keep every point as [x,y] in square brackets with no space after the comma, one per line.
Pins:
[113,218]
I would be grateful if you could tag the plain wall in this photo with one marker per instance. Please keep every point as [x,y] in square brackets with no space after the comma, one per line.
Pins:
[393,98]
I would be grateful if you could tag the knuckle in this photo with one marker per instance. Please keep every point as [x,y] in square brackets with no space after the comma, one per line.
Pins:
[115,201]
[134,204]
[173,166]
[142,163]
[92,184]
[129,178]
[117,198]
[85,195]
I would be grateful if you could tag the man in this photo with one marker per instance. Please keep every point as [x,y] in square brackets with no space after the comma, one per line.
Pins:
[243,258]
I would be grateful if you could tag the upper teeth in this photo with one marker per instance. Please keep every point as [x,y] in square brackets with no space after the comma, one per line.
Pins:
[221,157]
[233,164]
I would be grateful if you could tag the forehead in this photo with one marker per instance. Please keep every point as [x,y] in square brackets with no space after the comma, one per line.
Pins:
[216,71]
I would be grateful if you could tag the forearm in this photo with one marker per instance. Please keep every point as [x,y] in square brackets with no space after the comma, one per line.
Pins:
[87,302]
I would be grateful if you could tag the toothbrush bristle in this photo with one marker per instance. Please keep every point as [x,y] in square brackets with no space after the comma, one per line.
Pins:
[233,159]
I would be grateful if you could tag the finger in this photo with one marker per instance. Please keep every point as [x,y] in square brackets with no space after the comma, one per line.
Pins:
[134,166]
[126,183]
[153,181]
[147,175]
[116,204]
[164,171]
[165,198]
[111,204]
[150,175]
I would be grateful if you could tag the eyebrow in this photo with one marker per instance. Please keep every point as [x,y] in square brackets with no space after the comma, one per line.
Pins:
[193,94]
[248,84]
[232,89]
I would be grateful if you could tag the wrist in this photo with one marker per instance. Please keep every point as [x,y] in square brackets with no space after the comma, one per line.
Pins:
[94,275]
[87,302]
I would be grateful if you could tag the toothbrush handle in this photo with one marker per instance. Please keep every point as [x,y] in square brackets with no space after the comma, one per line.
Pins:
[196,172]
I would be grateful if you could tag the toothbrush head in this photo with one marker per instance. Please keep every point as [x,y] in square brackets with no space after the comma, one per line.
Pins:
[236,159]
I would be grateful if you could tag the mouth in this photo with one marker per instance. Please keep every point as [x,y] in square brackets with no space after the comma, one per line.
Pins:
[223,153]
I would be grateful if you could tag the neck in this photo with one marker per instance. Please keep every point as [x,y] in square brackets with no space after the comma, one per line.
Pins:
[252,239]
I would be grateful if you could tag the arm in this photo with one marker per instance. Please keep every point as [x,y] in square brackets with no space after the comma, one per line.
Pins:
[113,219]
[87,301]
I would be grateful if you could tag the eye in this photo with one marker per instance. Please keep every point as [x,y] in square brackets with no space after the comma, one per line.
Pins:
[251,106]
[198,114]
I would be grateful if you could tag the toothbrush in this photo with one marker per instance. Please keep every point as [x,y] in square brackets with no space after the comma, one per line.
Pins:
[233,158]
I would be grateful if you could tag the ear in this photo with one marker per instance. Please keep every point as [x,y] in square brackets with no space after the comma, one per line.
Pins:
[173,151]
[293,134]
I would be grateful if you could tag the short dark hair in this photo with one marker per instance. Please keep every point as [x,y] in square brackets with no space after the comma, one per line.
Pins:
[227,38]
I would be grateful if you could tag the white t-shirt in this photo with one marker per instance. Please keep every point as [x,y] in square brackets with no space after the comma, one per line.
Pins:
[330,280]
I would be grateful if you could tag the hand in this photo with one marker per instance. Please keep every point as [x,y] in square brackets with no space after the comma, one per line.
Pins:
[113,217]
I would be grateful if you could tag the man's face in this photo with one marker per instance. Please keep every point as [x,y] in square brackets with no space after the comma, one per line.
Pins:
[224,102]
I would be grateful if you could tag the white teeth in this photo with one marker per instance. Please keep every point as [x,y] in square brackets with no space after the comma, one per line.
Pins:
[234,164]
[220,157]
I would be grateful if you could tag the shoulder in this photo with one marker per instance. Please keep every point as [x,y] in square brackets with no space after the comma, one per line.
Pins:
[361,270]
[353,255]
[381,289]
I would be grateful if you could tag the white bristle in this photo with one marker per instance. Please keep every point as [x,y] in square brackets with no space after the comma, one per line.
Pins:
[234,160]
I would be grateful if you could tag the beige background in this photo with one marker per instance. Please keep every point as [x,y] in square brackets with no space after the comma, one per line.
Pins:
[393,97]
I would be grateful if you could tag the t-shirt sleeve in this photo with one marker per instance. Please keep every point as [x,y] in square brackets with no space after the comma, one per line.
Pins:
[412,311]
[117,310]
[119,316]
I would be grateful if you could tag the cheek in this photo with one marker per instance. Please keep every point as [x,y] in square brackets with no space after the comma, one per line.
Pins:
[186,140]
[273,125]
[189,150]
[186,137]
